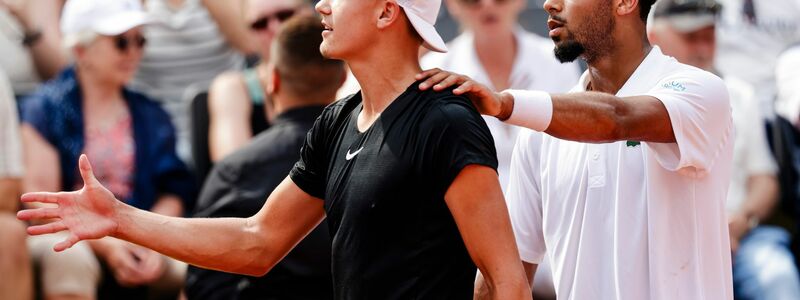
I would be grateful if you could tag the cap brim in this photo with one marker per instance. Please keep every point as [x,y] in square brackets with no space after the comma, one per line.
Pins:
[118,24]
[432,39]
[691,22]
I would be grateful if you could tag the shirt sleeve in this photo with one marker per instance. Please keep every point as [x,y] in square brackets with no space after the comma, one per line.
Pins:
[310,171]
[524,198]
[10,145]
[459,137]
[700,112]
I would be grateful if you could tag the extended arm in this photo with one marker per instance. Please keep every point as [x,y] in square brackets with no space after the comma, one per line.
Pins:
[242,245]
[584,117]
[476,202]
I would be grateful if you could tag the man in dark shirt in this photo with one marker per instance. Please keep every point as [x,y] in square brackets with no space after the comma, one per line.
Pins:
[406,179]
[239,184]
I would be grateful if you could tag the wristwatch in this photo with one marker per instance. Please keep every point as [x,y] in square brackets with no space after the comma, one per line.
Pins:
[31,37]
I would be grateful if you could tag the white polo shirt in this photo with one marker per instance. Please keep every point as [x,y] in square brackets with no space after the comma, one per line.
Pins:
[535,68]
[633,221]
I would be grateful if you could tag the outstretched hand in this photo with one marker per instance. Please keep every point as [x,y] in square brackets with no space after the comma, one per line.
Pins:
[89,213]
[485,100]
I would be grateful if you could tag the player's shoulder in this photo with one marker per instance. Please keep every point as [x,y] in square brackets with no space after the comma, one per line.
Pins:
[448,106]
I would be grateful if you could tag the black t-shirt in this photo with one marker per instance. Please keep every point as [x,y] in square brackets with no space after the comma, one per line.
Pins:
[393,236]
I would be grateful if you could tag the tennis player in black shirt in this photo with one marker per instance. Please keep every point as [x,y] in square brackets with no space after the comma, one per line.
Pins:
[405,177]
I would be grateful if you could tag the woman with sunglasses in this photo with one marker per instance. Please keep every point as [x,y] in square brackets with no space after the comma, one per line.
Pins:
[237,106]
[88,109]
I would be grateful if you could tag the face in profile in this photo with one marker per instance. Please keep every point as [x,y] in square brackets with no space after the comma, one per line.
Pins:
[486,16]
[580,28]
[350,26]
[113,58]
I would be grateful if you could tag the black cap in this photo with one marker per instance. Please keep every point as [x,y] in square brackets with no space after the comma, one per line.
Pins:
[687,15]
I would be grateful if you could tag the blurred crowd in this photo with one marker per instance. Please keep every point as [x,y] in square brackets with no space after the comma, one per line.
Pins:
[199,107]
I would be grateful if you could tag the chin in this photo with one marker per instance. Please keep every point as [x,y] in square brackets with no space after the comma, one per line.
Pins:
[328,52]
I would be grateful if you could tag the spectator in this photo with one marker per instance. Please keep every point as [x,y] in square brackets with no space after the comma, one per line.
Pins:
[299,83]
[13,253]
[236,96]
[752,33]
[30,42]
[88,109]
[496,51]
[763,265]
[192,42]
[787,76]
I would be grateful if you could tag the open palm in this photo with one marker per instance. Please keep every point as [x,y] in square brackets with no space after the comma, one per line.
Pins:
[89,213]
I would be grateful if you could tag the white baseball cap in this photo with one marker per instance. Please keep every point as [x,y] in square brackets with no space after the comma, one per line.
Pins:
[104,17]
[422,14]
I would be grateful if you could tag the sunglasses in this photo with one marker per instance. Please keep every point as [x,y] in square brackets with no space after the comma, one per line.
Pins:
[263,22]
[122,43]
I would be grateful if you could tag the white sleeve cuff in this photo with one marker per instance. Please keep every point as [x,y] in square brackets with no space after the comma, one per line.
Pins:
[532,109]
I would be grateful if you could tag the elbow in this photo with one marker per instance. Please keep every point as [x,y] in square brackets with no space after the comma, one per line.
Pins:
[257,269]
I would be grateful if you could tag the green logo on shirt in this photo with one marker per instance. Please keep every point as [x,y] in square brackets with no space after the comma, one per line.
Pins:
[633,143]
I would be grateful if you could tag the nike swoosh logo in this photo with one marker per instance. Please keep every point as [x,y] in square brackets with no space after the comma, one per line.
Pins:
[350,156]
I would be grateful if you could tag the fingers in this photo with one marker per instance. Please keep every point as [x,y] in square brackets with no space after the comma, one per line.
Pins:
[466,87]
[86,170]
[433,79]
[38,214]
[427,73]
[66,244]
[42,197]
[449,81]
[52,227]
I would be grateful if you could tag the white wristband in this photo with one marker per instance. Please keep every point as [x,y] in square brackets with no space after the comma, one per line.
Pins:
[532,109]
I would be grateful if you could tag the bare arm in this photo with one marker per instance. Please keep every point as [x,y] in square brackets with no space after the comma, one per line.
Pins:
[229,115]
[476,202]
[584,117]
[599,117]
[242,245]
[49,56]
[43,169]
[9,191]
[762,196]
[228,15]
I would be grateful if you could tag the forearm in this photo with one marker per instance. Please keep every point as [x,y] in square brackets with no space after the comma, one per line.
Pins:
[762,194]
[9,194]
[48,57]
[226,244]
[227,15]
[589,117]
[486,290]
[168,205]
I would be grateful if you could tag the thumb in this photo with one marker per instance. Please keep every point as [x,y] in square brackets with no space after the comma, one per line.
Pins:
[86,170]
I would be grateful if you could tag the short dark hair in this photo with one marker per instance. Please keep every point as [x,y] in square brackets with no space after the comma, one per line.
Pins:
[644,8]
[296,56]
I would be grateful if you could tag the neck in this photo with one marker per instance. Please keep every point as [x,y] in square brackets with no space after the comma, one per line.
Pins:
[283,103]
[609,73]
[98,93]
[384,77]
[504,41]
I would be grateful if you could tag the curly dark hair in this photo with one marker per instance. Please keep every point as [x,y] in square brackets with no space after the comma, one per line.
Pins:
[644,8]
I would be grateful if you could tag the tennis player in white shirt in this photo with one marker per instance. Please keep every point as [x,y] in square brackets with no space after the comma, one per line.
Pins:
[627,190]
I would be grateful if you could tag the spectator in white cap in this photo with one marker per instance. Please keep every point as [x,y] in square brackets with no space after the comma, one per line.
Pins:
[406,178]
[88,109]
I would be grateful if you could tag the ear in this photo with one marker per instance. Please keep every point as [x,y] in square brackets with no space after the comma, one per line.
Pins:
[274,80]
[626,7]
[390,13]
